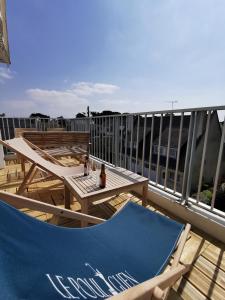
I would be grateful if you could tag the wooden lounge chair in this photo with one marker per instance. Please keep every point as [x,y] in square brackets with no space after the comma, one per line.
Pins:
[113,259]
[45,163]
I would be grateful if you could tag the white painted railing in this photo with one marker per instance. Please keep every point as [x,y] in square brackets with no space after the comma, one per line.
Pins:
[181,152]
[8,125]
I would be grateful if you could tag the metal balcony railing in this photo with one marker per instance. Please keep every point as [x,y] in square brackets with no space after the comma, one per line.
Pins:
[180,151]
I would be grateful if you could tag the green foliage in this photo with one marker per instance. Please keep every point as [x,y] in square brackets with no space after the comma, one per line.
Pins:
[206,197]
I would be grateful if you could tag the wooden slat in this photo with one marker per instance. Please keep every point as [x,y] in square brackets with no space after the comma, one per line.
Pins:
[186,291]
[194,247]
[211,270]
[18,132]
[215,255]
[205,285]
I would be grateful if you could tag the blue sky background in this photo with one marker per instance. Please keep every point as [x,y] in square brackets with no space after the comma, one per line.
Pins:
[124,55]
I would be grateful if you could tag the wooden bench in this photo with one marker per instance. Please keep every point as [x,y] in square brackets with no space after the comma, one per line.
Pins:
[58,143]
[55,139]
[18,132]
[56,129]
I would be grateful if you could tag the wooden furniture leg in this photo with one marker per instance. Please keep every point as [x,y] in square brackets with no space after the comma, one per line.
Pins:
[23,168]
[84,210]
[26,179]
[144,194]
[66,197]
[32,176]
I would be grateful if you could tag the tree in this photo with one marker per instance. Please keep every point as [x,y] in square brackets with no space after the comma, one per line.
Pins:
[80,115]
[61,121]
[39,115]
[109,112]
[96,113]
[104,113]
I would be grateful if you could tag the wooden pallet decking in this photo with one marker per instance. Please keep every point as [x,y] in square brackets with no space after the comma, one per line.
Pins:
[206,280]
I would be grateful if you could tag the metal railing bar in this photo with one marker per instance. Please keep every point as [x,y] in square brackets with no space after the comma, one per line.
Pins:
[220,155]
[101,138]
[150,147]
[193,145]
[125,163]
[159,148]
[8,132]
[137,143]
[121,136]
[178,151]
[13,121]
[105,134]
[112,146]
[98,138]
[131,141]
[143,146]
[94,137]
[116,140]
[203,156]
[3,127]
[188,147]
[168,150]
[108,137]
[91,129]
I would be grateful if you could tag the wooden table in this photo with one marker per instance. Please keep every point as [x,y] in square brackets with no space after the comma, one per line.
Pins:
[118,180]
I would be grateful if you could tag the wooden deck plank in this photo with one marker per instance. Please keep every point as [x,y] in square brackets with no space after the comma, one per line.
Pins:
[185,290]
[211,270]
[205,285]
[195,245]
[215,255]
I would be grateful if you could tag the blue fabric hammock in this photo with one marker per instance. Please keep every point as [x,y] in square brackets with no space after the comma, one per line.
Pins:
[42,261]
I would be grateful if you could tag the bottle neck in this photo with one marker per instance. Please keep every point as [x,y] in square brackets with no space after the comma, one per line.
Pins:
[103,169]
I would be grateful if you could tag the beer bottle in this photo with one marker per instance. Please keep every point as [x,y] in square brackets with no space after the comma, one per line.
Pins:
[93,166]
[86,171]
[102,177]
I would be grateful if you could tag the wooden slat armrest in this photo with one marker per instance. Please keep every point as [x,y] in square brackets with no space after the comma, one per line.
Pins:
[22,202]
[146,290]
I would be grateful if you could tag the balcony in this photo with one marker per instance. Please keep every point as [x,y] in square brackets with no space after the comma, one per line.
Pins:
[181,153]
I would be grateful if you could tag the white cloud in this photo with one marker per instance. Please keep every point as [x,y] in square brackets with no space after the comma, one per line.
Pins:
[89,88]
[55,96]
[5,74]
[67,102]
[55,103]
[77,90]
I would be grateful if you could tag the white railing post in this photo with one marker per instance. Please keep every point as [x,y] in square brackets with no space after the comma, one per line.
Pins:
[2,161]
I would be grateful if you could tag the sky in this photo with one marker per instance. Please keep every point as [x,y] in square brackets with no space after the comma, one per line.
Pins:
[121,55]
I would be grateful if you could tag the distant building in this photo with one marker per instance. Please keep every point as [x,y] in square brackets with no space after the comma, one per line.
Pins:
[158,174]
